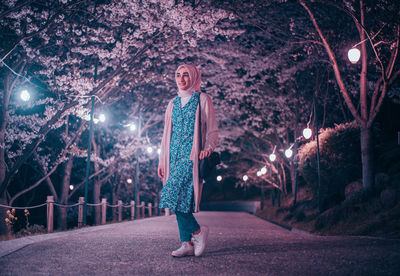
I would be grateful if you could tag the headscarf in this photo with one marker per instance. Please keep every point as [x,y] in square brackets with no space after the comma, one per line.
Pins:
[195,80]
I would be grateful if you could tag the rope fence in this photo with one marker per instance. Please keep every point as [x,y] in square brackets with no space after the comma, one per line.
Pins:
[136,210]
[23,208]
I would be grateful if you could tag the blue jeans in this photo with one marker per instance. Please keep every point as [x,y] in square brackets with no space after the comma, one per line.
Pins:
[187,224]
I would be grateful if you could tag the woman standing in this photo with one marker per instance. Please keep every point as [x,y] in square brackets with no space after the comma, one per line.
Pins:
[180,154]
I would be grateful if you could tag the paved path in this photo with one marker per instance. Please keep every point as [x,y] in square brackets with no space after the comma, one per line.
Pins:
[239,244]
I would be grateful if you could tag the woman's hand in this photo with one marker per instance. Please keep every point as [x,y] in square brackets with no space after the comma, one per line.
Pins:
[204,154]
[161,172]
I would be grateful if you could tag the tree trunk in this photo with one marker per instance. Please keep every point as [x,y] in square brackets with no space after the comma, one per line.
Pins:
[367,157]
[292,171]
[3,166]
[3,226]
[3,196]
[114,202]
[63,212]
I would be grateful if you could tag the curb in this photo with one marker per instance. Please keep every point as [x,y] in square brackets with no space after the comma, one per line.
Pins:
[286,227]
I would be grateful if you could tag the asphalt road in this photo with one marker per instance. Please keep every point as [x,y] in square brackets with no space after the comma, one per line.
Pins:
[239,244]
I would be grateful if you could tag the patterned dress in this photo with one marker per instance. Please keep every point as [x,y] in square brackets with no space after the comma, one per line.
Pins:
[177,194]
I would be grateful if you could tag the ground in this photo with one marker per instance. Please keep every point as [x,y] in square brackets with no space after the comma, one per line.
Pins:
[239,244]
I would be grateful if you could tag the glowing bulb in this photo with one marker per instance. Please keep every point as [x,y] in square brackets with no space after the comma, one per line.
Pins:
[264,170]
[25,96]
[219,178]
[102,118]
[307,132]
[259,173]
[129,180]
[132,127]
[71,187]
[272,157]
[149,149]
[245,177]
[288,153]
[354,55]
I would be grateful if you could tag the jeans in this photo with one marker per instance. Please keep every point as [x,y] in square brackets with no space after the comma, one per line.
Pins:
[187,224]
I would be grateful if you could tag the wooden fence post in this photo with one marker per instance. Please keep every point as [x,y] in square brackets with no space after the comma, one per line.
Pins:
[103,210]
[142,207]
[80,211]
[119,210]
[156,209]
[50,213]
[150,209]
[167,212]
[133,208]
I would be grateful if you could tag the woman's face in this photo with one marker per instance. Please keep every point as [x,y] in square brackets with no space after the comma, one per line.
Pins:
[182,79]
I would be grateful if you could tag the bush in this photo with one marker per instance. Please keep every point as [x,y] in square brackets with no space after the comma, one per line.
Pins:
[340,162]
[31,230]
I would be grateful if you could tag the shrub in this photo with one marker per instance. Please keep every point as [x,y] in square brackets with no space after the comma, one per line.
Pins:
[340,162]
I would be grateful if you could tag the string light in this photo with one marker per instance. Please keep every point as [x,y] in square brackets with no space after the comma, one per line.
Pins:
[288,153]
[307,132]
[245,178]
[129,180]
[219,178]
[263,170]
[354,55]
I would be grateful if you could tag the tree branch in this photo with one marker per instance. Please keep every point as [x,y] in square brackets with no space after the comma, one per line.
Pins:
[32,146]
[34,185]
[7,12]
[335,66]
[83,182]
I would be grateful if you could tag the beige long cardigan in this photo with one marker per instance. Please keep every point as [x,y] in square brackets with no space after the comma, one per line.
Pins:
[209,131]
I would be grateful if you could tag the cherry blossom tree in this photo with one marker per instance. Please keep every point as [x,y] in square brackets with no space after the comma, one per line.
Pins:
[80,48]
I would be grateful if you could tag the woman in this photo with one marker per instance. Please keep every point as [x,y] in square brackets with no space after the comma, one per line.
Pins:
[180,154]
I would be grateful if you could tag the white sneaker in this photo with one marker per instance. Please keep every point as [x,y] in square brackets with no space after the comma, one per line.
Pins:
[186,249]
[200,240]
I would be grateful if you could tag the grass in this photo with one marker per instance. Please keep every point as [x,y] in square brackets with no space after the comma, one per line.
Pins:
[365,218]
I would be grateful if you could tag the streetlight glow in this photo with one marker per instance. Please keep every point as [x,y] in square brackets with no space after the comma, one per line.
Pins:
[288,153]
[219,178]
[354,55]
[25,96]
[245,177]
[102,118]
[272,157]
[307,133]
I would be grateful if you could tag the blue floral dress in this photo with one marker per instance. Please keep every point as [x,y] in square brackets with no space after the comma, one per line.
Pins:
[177,194]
